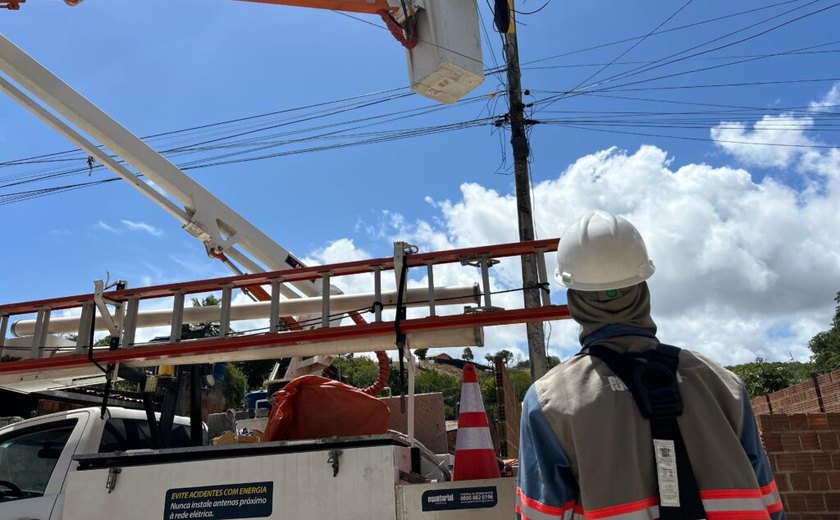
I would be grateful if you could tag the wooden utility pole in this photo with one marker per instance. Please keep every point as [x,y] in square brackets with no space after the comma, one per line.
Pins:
[521,150]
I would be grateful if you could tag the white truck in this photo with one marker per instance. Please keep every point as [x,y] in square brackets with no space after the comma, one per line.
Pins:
[75,465]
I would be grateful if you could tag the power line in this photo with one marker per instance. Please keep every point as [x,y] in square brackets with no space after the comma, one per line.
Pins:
[637,43]
[704,139]
[680,28]
[707,58]
[552,99]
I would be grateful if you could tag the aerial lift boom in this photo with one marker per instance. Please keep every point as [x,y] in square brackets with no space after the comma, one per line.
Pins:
[225,234]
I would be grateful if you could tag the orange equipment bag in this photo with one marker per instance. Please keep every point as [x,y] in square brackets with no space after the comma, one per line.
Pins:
[314,407]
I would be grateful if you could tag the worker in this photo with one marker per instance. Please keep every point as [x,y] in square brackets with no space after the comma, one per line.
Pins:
[630,428]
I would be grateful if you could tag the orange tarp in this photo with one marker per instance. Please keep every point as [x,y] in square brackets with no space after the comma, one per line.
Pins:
[313,407]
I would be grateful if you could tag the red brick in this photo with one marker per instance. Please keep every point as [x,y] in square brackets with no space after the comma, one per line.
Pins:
[822,461]
[804,462]
[815,502]
[765,422]
[784,461]
[794,502]
[775,423]
[833,479]
[773,441]
[832,502]
[828,441]
[790,442]
[809,441]
[819,482]
[817,421]
[798,421]
[800,482]
[782,481]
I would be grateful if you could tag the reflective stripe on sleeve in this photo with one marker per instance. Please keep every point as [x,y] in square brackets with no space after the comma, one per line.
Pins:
[737,515]
[738,504]
[771,497]
[530,509]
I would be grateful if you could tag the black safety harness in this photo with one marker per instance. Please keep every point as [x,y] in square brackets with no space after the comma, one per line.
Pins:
[651,376]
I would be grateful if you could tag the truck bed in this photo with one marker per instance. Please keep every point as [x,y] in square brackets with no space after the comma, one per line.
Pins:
[353,478]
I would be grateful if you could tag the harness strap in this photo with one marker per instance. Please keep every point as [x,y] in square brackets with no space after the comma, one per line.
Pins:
[651,377]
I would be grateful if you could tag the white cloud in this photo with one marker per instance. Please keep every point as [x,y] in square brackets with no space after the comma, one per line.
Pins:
[745,268]
[142,226]
[106,227]
[829,102]
[773,141]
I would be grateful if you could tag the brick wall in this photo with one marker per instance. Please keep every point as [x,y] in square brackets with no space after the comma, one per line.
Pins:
[804,453]
[821,394]
[829,385]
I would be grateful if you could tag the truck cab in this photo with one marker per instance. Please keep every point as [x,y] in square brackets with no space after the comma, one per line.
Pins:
[36,454]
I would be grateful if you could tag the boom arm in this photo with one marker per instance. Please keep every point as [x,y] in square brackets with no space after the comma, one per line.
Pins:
[355,6]
[222,230]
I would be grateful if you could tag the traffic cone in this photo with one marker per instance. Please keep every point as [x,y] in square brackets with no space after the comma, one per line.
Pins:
[475,457]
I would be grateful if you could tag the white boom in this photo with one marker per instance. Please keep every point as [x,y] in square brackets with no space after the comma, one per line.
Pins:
[226,234]
[220,228]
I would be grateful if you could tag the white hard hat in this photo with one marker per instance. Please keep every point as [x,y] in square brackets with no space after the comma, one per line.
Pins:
[600,252]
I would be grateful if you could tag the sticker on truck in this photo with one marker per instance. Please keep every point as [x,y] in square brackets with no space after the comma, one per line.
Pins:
[460,498]
[243,500]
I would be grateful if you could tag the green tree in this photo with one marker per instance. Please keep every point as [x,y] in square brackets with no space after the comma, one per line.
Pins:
[468,354]
[432,380]
[234,388]
[762,378]
[255,372]
[360,372]
[207,301]
[421,353]
[520,379]
[825,346]
[506,355]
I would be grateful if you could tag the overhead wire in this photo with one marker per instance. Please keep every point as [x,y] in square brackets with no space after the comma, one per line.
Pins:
[589,88]
[665,31]
[706,139]
[259,140]
[535,11]
[664,60]
[635,44]
[705,58]
[210,144]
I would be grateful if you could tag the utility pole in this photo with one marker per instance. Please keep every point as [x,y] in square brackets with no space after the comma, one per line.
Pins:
[521,150]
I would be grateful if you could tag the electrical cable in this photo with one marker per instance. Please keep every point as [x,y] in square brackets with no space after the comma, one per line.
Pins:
[689,138]
[637,43]
[535,11]
[680,28]
[550,100]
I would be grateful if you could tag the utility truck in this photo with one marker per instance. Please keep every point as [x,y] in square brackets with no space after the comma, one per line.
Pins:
[64,466]
[109,462]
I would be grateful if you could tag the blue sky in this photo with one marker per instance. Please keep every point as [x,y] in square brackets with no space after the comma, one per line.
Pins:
[677,126]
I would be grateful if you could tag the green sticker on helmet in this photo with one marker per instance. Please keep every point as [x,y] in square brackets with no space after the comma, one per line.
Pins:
[612,293]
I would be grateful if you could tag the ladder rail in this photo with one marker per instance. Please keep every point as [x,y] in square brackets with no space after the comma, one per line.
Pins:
[287,275]
[432,329]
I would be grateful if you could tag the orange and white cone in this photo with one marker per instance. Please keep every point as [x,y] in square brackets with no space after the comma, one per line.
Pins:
[475,457]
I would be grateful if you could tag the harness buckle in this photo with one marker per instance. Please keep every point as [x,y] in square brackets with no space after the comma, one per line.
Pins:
[658,394]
